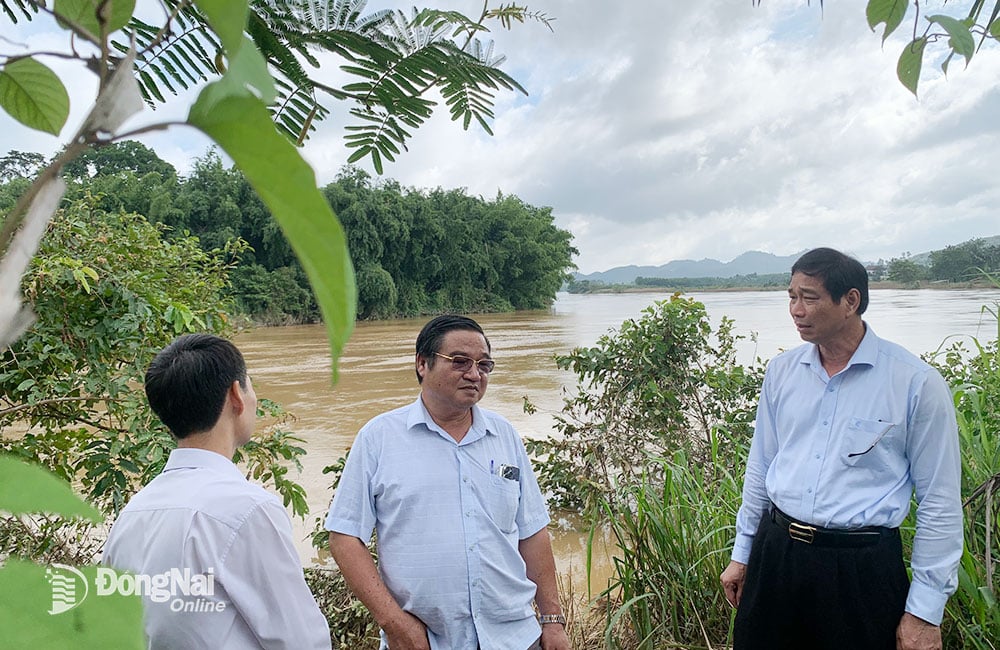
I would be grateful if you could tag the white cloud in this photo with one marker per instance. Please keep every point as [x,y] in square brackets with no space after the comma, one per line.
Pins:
[660,131]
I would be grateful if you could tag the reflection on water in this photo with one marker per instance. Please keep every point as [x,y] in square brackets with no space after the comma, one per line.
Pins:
[291,365]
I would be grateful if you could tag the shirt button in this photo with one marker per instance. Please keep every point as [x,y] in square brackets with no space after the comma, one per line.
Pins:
[817,456]
[825,422]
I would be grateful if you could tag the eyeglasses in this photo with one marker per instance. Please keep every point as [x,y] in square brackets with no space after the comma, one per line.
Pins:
[464,364]
[888,426]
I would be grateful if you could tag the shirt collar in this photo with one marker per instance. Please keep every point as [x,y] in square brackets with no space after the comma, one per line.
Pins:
[418,415]
[865,354]
[191,457]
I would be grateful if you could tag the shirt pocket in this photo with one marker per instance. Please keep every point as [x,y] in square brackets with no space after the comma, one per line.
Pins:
[867,443]
[502,499]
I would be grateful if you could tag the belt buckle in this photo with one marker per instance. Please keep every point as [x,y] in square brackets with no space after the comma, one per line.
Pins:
[801,532]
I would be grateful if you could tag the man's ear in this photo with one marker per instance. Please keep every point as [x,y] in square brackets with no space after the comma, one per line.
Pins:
[236,398]
[853,298]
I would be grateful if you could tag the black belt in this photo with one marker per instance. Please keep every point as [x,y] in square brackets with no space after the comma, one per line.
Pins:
[817,536]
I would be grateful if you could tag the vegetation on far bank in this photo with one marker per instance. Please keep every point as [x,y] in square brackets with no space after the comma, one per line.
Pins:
[414,251]
[962,266]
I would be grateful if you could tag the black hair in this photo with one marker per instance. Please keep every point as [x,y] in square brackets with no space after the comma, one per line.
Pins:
[429,339]
[187,382]
[839,272]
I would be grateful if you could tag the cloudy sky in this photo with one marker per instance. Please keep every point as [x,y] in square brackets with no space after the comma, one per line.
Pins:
[662,130]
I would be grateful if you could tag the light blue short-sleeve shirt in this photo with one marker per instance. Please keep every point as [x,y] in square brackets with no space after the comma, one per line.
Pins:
[449,517]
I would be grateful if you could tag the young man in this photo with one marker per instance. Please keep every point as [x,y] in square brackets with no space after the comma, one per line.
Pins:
[463,544]
[849,428]
[215,549]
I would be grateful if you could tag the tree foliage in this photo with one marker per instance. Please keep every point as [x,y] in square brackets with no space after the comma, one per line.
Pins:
[394,63]
[955,36]
[415,251]
[421,252]
[663,383]
[109,291]
[966,261]
[905,270]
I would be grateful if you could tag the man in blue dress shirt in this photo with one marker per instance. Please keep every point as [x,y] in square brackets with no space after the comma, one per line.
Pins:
[463,543]
[849,427]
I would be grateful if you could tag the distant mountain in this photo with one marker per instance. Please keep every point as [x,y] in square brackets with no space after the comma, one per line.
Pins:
[747,263]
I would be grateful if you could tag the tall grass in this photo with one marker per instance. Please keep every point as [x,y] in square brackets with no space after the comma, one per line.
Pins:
[673,538]
[972,618]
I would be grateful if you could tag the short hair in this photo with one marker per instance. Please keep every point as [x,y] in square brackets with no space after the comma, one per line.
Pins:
[187,382]
[839,273]
[429,339]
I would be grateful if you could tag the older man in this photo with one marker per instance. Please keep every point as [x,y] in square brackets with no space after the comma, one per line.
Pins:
[849,427]
[463,544]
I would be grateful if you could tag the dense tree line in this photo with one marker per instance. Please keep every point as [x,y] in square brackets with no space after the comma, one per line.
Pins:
[414,251]
[963,262]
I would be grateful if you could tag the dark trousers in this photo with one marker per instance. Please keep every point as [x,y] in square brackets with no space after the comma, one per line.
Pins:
[800,595]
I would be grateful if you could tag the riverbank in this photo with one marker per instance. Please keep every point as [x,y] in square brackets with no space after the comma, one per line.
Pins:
[881,284]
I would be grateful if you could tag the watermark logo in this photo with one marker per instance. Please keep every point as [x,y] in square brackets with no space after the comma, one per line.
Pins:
[181,589]
[69,587]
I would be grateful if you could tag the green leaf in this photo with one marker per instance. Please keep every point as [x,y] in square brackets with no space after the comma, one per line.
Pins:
[995,29]
[83,13]
[26,489]
[243,128]
[34,96]
[908,68]
[247,75]
[228,18]
[97,621]
[960,38]
[890,12]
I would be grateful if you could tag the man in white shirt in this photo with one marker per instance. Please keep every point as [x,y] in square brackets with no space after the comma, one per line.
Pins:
[211,552]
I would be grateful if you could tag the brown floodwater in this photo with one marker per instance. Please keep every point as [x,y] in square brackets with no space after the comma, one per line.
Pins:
[291,365]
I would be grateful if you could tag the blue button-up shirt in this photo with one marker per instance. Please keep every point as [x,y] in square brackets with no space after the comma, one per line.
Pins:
[850,450]
[448,518]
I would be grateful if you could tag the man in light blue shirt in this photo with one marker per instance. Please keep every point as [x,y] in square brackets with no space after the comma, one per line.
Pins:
[849,428]
[463,544]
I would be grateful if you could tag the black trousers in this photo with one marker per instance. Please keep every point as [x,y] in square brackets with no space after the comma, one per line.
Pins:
[800,595]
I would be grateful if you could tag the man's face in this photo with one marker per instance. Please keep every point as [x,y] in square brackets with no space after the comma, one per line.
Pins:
[446,387]
[817,317]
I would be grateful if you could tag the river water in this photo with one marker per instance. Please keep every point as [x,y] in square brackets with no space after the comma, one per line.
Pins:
[291,365]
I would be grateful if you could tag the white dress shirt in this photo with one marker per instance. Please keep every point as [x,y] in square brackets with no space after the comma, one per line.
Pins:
[202,515]
[851,450]
[448,518]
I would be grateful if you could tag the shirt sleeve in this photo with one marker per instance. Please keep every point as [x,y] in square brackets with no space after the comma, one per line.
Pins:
[263,578]
[755,502]
[352,511]
[935,468]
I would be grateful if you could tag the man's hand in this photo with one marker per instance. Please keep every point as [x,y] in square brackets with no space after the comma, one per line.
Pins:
[407,633]
[917,634]
[732,582]
[554,637]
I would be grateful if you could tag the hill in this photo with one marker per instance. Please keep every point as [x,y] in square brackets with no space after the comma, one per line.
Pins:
[749,263]
[746,264]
